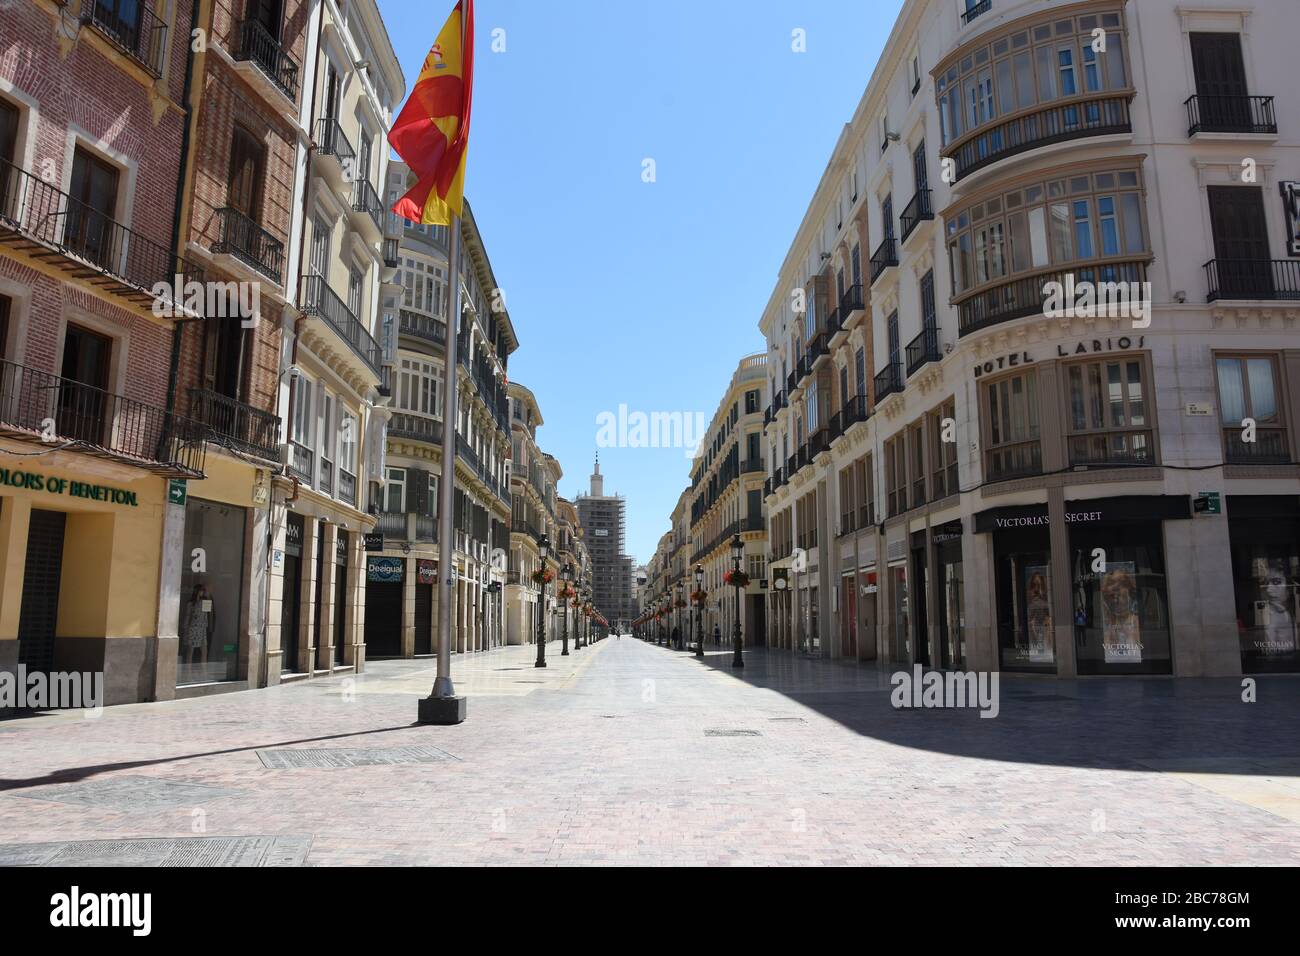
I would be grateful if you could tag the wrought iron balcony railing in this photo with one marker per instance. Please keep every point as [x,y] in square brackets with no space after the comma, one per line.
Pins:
[392,253]
[244,239]
[851,301]
[1026,295]
[257,45]
[131,27]
[885,257]
[1055,123]
[1112,449]
[320,300]
[422,326]
[923,349]
[888,381]
[1268,448]
[1017,460]
[347,487]
[1252,279]
[98,422]
[855,410]
[242,426]
[97,248]
[365,199]
[917,211]
[974,10]
[1230,114]
[415,427]
[392,525]
[332,141]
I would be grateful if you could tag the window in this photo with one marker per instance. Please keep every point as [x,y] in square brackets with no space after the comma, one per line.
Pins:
[92,206]
[860,371]
[302,413]
[916,451]
[896,476]
[848,500]
[354,290]
[320,247]
[1012,424]
[348,442]
[884,131]
[1109,419]
[1249,389]
[247,162]
[943,454]
[916,73]
[395,491]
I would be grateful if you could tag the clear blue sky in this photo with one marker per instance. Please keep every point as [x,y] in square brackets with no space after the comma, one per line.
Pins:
[641,293]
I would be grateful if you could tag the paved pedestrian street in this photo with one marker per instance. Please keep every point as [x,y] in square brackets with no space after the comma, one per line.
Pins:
[629,753]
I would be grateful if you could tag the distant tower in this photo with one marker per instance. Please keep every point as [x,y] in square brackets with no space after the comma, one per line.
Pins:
[602,517]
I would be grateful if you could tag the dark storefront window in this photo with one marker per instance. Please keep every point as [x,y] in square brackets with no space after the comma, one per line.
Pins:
[1023,579]
[1266,581]
[212,580]
[1121,612]
[951,625]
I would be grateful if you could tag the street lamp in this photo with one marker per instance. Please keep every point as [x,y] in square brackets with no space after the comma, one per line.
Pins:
[681,638]
[544,548]
[566,575]
[699,611]
[737,553]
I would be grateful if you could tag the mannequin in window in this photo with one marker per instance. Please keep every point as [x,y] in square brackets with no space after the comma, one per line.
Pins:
[200,621]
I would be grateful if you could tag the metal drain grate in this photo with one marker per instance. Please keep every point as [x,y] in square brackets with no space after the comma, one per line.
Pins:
[336,759]
[131,793]
[731,732]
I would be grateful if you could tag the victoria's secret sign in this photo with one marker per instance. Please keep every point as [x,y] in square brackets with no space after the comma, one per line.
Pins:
[1125,508]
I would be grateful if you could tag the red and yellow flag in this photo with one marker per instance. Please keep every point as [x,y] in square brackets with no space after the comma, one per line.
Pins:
[431,132]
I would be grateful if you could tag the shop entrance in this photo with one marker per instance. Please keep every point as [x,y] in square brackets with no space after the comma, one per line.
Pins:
[423,619]
[385,587]
[340,595]
[949,629]
[920,613]
[43,568]
[291,595]
[848,618]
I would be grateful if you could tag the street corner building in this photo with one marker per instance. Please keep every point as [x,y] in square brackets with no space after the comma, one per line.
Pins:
[1032,381]
[192,255]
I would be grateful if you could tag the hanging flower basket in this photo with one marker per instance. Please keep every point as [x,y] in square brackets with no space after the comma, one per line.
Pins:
[736,579]
[566,592]
[698,598]
[543,576]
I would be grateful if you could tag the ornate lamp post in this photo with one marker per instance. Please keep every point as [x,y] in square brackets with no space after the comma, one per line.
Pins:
[680,605]
[566,576]
[699,611]
[543,548]
[737,581]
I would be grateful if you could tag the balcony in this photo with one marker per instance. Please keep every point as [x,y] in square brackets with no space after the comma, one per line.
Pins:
[1276,279]
[1112,450]
[818,349]
[1268,448]
[851,301]
[819,442]
[301,461]
[392,254]
[1015,460]
[392,525]
[366,200]
[923,349]
[752,465]
[888,381]
[1059,122]
[318,299]
[347,487]
[422,326]
[50,225]
[99,423]
[142,37]
[919,210]
[415,428]
[256,45]
[885,257]
[855,410]
[1026,296]
[1230,114]
[974,10]
[240,426]
[834,322]
[248,242]
[332,144]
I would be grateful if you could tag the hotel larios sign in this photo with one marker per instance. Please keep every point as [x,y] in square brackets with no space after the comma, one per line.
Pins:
[53,485]
[1122,343]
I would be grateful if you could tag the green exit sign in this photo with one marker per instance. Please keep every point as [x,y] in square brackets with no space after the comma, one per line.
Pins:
[176,491]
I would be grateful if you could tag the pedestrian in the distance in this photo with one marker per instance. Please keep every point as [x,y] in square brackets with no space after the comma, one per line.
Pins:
[717,635]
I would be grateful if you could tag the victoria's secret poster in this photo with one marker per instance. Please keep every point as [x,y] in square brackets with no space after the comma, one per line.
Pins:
[1121,621]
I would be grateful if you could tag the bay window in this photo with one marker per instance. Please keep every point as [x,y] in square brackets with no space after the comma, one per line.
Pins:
[1110,417]
[1011,424]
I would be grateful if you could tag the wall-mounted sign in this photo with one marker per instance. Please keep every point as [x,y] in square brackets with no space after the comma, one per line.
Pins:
[1123,508]
[1291,205]
[951,531]
[50,484]
[374,541]
[1120,344]
[293,536]
[1003,362]
[262,487]
[1207,503]
[177,489]
[385,570]
[341,548]
[426,572]
[1198,409]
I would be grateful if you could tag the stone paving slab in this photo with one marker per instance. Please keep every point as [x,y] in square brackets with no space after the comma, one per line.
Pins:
[607,762]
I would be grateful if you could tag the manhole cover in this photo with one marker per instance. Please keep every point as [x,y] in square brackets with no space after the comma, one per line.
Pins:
[335,759]
[130,793]
[185,851]
[715,732]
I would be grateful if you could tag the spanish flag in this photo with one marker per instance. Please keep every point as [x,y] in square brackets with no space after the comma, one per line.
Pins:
[432,130]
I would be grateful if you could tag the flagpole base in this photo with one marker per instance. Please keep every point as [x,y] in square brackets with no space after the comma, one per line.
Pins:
[443,711]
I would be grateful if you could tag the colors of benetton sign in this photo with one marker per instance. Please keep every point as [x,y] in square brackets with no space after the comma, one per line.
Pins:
[62,486]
